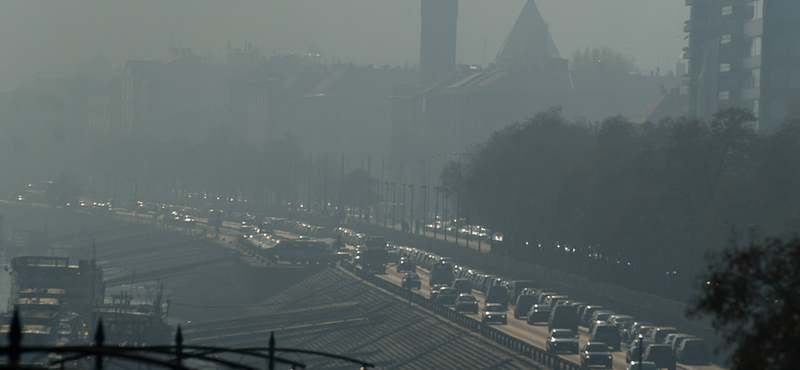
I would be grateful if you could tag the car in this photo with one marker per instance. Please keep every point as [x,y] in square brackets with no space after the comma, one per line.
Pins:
[662,355]
[411,280]
[539,313]
[586,314]
[599,317]
[676,343]
[462,286]
[524,304]
[596,353]
[435,290]
[633,349]
[405,265]
[670,340]
[693,351]
[661,332]
[630,330]
[466,303]
[446,296]
[494,312]
[644,365]
[562,340]
[607,334]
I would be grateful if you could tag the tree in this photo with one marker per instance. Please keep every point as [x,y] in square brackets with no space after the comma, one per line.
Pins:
[753,296]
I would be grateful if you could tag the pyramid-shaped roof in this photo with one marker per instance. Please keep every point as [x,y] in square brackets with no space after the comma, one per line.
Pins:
[529,43]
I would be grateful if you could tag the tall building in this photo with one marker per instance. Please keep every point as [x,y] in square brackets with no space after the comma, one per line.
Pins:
[437,54]
[745,53]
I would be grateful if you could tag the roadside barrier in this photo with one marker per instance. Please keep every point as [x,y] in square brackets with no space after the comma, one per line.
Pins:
[517,345]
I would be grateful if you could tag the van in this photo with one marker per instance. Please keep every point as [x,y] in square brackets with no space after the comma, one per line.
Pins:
[524,304]
[498,294]
[563,317]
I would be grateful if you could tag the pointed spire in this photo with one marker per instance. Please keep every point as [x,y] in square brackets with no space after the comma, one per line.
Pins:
[529,43]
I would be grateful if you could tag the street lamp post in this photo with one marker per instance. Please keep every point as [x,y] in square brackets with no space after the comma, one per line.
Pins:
[445,216]
[436,213]
[403,207]
[386,208]
[424,209]
[394,193]
[413,222]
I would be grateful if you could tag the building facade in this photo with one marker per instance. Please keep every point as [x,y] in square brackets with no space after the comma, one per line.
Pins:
[745,53]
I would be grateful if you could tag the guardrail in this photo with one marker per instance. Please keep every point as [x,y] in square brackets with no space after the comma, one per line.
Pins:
[517,345]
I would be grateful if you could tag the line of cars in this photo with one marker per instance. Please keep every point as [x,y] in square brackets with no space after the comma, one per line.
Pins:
[664,346]
[451,284]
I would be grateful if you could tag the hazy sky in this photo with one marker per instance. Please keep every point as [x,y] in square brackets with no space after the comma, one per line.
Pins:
[38,34]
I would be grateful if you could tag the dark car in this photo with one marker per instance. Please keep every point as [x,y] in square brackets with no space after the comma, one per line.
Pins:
[645,365]
[693,351]
[446,296]
[633,349]
[607,334]
[594,354]
[435,290]
[494,312]
[587,313]
[562,340]
[466,303]
[411,280]
[563,317]
[662,355]
[462,286]
[539,313]
[405,265]
[524,304]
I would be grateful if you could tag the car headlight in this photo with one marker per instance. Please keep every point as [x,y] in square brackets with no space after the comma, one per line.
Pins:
[503,316]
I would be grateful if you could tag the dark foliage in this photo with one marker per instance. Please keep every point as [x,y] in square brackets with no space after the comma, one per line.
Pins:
[752,294]
[651,198]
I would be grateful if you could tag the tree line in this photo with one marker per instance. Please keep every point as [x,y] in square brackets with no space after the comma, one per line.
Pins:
[655,195]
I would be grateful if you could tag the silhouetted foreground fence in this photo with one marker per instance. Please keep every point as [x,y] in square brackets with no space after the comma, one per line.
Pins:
[517,345]
[174,357]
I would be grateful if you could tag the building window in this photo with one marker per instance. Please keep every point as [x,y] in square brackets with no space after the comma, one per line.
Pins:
[758,9]
[727,10]
[755,46]
[724,95]
[755,77]
[726,39]
[755,108]
[725,67]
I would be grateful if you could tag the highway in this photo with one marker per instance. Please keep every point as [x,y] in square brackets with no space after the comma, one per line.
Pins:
[518,328]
